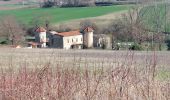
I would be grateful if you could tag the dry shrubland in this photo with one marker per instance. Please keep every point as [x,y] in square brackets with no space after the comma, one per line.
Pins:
[82,75]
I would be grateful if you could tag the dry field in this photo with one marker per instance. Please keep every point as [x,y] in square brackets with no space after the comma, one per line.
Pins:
[9,5]
[52,74]
[100,21]
[10,8]
[10,2]
[15,4]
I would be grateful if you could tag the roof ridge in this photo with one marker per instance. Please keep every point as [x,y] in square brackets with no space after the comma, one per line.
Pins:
[70,33]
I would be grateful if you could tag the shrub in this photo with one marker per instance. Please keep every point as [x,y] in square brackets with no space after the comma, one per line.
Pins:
[4,42]
[168,44]
[135,47]
[48,4]
[104,46]
[114,76]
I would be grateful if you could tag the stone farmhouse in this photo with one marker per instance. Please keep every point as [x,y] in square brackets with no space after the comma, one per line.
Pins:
[64,40]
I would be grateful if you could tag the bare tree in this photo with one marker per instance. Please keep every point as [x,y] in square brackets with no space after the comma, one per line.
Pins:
[12,30]
[135,22]
[158,25]
[71,3]
[130,27]
[88,23]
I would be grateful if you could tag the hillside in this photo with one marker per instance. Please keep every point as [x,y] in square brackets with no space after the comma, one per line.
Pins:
[16,1]
[157,17]
[56,15]
[18,4]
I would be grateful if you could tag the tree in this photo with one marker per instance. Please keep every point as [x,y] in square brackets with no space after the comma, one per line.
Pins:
[134,19]
[42,19]
[120,31]
[158,26]
[67,3]
[88,23]
[12,30]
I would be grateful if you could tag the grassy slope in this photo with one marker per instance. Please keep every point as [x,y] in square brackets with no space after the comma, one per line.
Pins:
[151,17]
[61,14]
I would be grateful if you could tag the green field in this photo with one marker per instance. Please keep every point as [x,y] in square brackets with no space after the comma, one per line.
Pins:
[61,14]
[155,17]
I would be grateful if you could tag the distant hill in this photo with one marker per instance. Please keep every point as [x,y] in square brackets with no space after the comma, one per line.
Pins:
[10,2]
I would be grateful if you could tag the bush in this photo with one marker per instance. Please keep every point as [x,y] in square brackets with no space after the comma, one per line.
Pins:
[104,46]
[4,42]
[168,44]
[72,5]
[136,47]
[48,4]
[103,3]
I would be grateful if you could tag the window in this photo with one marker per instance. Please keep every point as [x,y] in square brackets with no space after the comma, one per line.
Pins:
[76,39]
[67,40]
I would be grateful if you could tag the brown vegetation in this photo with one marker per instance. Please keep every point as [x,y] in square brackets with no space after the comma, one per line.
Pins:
[79,75]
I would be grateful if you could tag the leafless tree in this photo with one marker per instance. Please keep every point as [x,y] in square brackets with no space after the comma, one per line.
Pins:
[88,23]
[158,25]
[12,30]
[72,2]
[130,27]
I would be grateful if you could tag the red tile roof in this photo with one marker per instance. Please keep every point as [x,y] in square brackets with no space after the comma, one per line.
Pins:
[40,29]
[88,29]
[71,33]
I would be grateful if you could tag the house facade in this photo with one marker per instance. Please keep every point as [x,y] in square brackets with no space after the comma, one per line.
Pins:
[66,40]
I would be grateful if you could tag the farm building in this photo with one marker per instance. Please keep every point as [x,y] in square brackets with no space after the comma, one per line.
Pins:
[70,40]
[65,40]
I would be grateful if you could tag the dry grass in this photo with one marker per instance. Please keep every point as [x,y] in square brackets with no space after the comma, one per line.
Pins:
[100,21]
[15,4]
[49,74]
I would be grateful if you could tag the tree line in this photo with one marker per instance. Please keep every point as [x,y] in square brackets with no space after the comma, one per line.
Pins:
[82,3]
[67,3]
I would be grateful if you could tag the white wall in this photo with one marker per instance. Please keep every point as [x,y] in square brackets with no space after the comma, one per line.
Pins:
[43,39]
[72,40]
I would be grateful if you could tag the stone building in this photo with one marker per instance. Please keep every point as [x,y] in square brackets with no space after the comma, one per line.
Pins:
[88,37]
[41,37]
[65,40]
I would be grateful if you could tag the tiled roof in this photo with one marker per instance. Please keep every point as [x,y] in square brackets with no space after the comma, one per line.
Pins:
[40,29]
[53,32]
[88,29]
[71,33]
